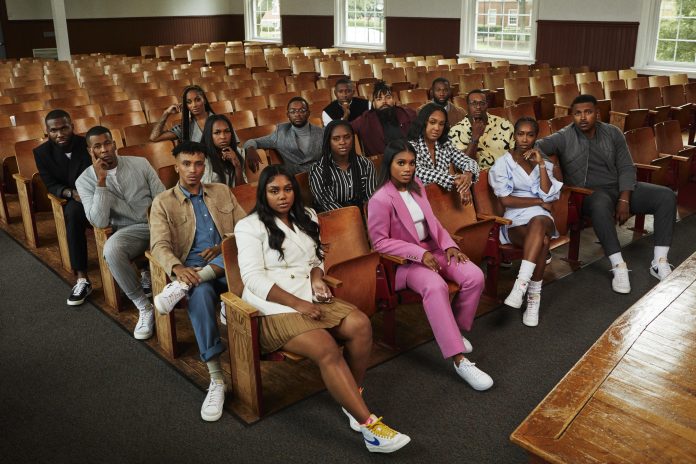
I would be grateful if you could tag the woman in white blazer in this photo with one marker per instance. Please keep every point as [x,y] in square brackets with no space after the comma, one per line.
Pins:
[280,259]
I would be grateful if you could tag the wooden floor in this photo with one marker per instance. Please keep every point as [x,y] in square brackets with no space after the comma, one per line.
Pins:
[632,397]
[284,383]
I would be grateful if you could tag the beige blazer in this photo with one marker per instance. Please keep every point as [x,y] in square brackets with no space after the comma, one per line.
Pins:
[173,222]
[261,266]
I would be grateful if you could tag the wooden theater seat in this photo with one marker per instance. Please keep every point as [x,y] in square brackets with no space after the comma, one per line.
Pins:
[30,189]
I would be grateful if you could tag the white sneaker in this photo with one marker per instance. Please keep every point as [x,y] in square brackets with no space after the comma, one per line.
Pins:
[620,283]
[146,323]
[530,317]
[172,293]
[223,313]
[354,424]
[468,347]
[514,299]
[474,376]
[214,400]
[380,438]
[660,270]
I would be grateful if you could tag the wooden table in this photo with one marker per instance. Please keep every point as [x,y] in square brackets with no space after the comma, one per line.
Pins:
[632,396]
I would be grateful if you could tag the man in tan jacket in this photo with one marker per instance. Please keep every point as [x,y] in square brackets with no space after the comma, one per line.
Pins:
[187,225]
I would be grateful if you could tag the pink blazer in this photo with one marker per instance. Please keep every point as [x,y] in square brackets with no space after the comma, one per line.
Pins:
[393,232]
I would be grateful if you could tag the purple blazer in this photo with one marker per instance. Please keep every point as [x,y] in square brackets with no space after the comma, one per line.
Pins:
[393,232]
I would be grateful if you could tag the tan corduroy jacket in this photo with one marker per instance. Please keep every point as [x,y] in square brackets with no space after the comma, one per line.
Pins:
[173,222]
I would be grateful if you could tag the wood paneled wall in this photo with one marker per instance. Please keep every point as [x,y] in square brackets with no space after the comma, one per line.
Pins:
[316,31]
[423,36]
[119,35]
[601,45]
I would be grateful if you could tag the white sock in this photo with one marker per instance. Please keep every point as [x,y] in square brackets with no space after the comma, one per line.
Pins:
[616,259]
[526,270]
[660,252]
[215,370]
[534,286]
[207,273]
[141,303]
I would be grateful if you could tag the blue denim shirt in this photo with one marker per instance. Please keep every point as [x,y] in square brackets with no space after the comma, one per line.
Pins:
[206,233]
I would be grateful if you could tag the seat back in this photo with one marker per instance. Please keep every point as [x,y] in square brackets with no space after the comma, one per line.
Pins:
[515,88]
[624,100]
[565,93]
[593,88]
[246,196]
[158,154]
[559,123]
[641,144]
[673,95]
[413,96]
[254,132]
[603,76]
[611,86]
[561,79]
[668,138]
[650,98]
[469,82]
[250,103]
[678,79]
[485,201]
[541,85]
[658,81]
[584,77]
[637,83]
[241,119]
[271,116]
[449,209]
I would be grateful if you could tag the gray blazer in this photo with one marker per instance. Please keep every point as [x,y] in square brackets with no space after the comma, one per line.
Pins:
[573,150]
[284,141]
[106,206]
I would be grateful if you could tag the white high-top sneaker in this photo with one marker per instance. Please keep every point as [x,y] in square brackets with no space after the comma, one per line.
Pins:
[146,323]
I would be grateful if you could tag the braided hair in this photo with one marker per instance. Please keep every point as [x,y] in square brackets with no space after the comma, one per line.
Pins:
[359,194]
[186,114]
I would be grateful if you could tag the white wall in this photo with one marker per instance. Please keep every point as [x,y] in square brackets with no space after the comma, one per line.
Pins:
[80,9]
[585,10]
[423,9]
[307,7]
[591,10]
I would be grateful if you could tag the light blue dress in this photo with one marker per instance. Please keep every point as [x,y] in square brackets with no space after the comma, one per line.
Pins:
[507,178]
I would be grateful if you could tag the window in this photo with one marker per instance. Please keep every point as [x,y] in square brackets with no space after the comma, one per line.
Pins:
[492,17]
[667,37]
[676,33]
[360,23]
[499,29]
[262,18]
[512,18]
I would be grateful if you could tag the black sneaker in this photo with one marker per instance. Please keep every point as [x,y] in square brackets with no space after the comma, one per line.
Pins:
[80,292]
[146,283]
[506,263]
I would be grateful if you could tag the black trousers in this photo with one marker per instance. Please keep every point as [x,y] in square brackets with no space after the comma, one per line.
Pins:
[75,225]
[657,200]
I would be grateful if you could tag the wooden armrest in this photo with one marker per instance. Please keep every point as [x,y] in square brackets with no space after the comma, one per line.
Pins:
[234,303]
[683,159]
[332,281]
[456,238]
[617,113]
[663,156]
[18,177]
[580,190]
[498,220]
[556,105]
[55,199]
[647,167]
[394,259]
[152,259]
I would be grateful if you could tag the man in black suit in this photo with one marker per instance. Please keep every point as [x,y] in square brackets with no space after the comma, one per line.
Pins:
[61,160]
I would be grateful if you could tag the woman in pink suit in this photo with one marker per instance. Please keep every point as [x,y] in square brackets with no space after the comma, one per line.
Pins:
[401,223]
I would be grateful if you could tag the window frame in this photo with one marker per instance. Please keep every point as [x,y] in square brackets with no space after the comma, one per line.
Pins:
[250,26]
[341,26]
[510,16]
[646,45]
[467,36]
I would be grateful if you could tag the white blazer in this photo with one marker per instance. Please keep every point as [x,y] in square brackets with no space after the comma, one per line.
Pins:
[261,267]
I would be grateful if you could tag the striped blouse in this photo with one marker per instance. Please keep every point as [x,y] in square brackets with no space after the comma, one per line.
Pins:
[341,193]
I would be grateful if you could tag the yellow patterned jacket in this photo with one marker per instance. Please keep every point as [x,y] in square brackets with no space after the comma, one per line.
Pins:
[497,139]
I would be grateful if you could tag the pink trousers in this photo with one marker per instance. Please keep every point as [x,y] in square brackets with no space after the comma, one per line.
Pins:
[447,321]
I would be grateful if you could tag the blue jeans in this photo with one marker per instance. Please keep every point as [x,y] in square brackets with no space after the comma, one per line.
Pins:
[203,304]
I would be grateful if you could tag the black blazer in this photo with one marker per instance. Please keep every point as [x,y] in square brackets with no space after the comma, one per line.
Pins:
[56,170]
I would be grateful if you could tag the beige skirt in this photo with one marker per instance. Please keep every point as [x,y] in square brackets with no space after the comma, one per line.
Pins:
[276,330]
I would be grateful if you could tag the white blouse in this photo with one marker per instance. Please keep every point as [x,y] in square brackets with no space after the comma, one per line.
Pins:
[416,214]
